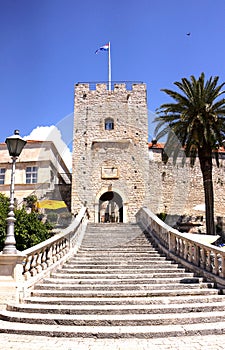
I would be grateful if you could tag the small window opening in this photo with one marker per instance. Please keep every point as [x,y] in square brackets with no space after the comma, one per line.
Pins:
[109,124]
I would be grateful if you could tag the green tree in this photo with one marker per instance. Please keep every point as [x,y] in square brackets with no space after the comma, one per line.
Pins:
[196,122]
[31,202]
[29,229]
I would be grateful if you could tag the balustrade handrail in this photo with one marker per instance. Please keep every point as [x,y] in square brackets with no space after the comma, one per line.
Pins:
[202,258]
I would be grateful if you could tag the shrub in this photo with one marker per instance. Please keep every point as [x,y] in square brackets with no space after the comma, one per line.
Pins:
[29,229]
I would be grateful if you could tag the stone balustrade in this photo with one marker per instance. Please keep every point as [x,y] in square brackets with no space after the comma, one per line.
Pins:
[204,259]
[19,272]
[50,253]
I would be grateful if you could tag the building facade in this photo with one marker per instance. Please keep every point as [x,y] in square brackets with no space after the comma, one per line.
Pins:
[40,170]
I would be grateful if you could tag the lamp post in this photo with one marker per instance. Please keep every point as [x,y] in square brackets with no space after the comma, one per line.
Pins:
[15,145]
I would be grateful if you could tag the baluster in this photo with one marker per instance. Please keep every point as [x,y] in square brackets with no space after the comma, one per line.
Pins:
[54,258]
[49,256]
[57,251]
[186,251]
[193,253]
[33,270]
[203,258]
[208,261]
[182,247]
[43,260]
[65,247]
[197,255]
[216,264]
[61,249]
[177,246]
[27,266]
[189,257]
[172,242]
[39,260]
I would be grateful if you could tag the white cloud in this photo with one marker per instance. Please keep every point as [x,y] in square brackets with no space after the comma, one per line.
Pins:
[52,133]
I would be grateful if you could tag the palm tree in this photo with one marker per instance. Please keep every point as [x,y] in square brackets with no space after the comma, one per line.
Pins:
[196,120]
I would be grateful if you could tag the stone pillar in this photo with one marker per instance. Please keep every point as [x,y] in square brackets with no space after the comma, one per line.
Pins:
[11,278]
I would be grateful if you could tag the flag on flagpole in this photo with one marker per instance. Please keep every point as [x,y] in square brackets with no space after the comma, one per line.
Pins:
[107,47]
[103,48]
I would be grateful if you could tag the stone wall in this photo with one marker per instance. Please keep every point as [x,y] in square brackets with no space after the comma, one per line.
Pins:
[177,189]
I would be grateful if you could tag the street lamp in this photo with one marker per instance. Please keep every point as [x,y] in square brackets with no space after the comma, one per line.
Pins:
[15,145]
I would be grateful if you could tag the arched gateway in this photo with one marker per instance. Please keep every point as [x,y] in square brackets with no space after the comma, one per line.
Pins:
[110,151]
[110,207]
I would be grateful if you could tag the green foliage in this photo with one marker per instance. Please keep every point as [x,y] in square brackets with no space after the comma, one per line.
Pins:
[29,229]
[196,118]
[31,201]
[162,216]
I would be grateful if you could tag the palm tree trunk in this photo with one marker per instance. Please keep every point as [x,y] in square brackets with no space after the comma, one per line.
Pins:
[205,159]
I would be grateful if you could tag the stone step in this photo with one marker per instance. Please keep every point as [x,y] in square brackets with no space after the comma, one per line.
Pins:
[102,247]
[113,332]
[122,293]
[116,270]
[109,276]
[125,300]
[110,252]
[121,240]
[111,266]
[113,255]
[87,260]
[108,258]
[114,320]
[119,287]
[122,281]
[111,258]
[117,309]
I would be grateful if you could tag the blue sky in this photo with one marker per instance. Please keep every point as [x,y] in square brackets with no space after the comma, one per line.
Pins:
[46,46]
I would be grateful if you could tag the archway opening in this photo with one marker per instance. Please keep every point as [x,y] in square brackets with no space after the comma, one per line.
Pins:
[110,207]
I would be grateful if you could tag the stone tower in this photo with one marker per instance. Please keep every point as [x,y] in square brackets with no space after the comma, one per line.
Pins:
[110,151]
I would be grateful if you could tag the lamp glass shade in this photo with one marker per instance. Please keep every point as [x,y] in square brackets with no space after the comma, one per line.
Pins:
[15,144]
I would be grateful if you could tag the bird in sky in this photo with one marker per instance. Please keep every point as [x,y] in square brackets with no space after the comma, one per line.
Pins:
[188,33]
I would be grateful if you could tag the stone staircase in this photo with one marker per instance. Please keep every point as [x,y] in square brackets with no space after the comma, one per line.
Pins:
[118,286]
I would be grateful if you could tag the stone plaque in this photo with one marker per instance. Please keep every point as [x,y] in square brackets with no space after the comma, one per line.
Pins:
[109,172]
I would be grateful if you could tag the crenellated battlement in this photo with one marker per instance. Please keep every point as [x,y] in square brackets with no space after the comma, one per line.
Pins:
[115,86]
[96,94]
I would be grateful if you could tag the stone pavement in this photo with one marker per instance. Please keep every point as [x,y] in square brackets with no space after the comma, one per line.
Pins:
[26,342]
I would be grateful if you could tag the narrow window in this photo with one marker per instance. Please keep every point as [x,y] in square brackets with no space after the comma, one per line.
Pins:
[109,124]
[31,174]
[2,176]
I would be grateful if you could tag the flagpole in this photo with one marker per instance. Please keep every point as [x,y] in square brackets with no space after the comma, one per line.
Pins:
[109,68]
